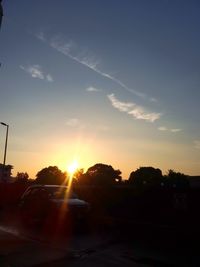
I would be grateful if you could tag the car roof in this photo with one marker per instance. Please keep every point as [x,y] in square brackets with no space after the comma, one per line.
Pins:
[47,186]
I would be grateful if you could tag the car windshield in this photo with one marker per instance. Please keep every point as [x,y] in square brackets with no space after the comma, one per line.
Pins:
[61,193]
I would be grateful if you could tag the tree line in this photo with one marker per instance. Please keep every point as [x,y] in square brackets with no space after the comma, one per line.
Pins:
[105,175]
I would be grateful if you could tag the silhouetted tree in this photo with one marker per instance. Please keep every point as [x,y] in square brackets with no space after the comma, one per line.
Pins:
[51,175]
[78,176]
[101,174]
[176,179]
[146,176]
[22,177]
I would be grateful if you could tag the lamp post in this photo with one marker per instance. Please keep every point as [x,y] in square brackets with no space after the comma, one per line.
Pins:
[6,142]
[1,13]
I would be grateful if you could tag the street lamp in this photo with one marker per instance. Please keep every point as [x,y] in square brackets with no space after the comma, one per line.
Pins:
[1,13]
[6,142]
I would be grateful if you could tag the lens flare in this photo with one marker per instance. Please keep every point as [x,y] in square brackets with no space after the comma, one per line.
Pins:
[72,167]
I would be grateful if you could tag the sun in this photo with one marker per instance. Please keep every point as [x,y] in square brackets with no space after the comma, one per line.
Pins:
[71,169]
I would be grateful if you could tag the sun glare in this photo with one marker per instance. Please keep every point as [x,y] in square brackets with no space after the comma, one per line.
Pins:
[72,167]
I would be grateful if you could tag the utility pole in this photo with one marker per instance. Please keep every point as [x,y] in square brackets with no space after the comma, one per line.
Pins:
[6,143]
[1,16]
[1,12]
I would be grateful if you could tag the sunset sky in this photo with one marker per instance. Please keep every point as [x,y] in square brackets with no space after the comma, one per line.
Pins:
[101,81]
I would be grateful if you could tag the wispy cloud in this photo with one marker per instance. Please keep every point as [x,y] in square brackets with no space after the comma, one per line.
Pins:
[49,78]
[92,89]
[121,106]
[153,99]
[197,144]
[80,125]
[40,36]
[175,130]
[164,129]
[36,72]
[133,109]
[86,59]
[73,122]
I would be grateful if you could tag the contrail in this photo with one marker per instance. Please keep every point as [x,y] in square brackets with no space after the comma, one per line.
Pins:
[65,48]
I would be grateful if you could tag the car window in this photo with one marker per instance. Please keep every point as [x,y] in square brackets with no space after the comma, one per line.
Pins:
[34,192]
[58,193]
[26,193]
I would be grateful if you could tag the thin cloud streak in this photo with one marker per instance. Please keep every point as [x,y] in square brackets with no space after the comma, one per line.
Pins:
[36,72]
[134,110]
[175,130]
[75,123]
[164,129]
[87,61]
[92,89]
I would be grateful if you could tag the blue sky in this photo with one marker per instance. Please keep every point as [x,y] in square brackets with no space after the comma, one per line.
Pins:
[115,82]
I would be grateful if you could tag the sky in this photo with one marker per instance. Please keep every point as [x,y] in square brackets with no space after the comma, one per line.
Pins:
[114,82]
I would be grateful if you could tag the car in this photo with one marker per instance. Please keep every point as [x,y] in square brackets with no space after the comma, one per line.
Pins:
[52,205]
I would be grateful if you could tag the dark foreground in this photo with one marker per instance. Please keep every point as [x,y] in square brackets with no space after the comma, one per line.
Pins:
[123,243]
[154,228]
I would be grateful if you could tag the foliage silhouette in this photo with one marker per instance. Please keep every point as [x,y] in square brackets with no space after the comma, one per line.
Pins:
[51,175]
[101,175]
[176,180]
[78,175]
[22,177]
[146,176]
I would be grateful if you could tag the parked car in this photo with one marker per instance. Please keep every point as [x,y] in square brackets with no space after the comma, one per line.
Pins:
[52,205]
